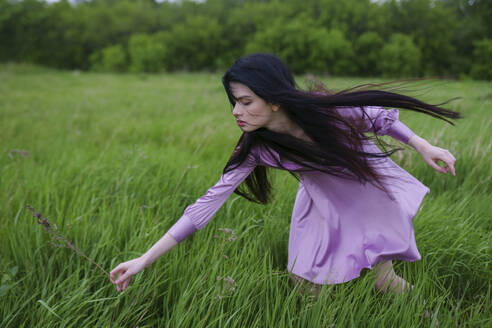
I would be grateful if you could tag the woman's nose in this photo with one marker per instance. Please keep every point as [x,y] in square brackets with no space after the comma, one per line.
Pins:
[235,111]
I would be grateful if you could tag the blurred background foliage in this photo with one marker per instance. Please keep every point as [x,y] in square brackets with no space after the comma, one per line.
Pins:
[446,38]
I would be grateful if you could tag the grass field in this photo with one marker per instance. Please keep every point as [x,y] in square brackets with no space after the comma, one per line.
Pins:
[114,160]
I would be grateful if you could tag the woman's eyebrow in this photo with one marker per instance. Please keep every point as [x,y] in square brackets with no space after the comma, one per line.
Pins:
[243,96]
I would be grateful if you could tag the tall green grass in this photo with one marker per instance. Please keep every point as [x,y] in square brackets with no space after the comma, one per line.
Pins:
[114,160]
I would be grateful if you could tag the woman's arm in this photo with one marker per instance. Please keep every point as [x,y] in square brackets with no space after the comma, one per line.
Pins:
[195,217]
[385,122]
[160,248]
[379,120]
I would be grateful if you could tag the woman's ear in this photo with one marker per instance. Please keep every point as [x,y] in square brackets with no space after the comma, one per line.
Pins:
[275,107]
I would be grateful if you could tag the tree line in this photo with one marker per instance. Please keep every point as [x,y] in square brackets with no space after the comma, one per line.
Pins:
[394,38]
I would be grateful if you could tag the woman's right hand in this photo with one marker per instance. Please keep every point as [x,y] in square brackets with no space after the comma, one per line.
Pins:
[125,272]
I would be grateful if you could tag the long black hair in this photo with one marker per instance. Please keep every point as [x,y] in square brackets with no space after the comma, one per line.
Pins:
[337,147]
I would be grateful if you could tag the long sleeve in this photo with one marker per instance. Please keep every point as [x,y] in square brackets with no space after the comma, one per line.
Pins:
[380,121]
[197,215]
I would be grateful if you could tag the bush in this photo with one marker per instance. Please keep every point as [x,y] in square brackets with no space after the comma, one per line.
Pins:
[146,53]
[400,57]
[368,50]
[305,47]
[482,64]
[109,59]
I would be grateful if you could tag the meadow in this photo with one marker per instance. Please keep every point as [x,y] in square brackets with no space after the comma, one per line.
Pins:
[114,159]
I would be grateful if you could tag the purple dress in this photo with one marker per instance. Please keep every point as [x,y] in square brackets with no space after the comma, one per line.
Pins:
[338,226]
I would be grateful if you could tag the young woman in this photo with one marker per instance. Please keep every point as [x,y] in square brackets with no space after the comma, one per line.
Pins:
[354,206]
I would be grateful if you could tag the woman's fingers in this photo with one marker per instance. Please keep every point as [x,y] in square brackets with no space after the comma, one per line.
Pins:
[123,277]
[432,155]
[433,164]
[115,271]
[121,286]
[451,155]
[448,160]
[121,281]
[450,166]
[125,271]
[125,283]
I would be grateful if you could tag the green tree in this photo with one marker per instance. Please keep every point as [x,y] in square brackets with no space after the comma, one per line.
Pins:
[109,59]
[242,23]
[482,63]
[349,16]
[400,57]
[195,44]
[472,23]
[368,53]
[305,46]
[22,30]
[431,27]
[213,33]
[146,53]
[338,53]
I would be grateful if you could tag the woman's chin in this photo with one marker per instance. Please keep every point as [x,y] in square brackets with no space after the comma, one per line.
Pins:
[246,128]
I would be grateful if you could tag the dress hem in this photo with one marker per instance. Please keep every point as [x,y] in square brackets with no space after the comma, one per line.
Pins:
[370,267]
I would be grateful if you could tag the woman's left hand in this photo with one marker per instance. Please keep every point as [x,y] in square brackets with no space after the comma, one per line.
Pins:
[432,155]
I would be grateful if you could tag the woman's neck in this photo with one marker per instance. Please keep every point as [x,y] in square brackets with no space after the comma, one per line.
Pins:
[282,124]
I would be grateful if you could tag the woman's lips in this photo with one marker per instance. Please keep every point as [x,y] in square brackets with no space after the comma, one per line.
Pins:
[240,123]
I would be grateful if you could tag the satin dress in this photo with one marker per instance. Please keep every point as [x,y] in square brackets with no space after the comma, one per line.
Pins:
[338,226]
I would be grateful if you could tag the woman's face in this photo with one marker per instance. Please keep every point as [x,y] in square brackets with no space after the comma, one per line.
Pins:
[251,112]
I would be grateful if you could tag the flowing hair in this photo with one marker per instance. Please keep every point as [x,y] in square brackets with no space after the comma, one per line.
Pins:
[337,146]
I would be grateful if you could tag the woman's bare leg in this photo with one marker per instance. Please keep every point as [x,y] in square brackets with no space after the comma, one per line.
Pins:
[386,279]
